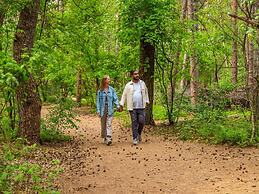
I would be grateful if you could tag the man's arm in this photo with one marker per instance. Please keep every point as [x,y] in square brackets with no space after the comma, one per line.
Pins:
[124,96]
[147,98]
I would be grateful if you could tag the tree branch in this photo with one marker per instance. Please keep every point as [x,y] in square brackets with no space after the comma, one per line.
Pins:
[255,24]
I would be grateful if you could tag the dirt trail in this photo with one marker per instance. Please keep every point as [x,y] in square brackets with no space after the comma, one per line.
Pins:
[156,165]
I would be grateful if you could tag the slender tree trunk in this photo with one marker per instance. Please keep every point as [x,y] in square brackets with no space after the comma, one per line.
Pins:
[183,17]
[174,70]
[255,92]
[172,95]
[216,76]
[183,81]
[11,112]
[147,60]
[79,87]
[234,59]
[43,18]
[1,25]
[250,62]
[193,58]
[194,80]
[172,87]
[184,9]
[28,99]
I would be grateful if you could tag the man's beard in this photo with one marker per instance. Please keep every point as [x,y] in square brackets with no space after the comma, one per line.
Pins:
[136,78]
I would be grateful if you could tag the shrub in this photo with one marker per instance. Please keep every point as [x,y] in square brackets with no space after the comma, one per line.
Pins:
[61,118]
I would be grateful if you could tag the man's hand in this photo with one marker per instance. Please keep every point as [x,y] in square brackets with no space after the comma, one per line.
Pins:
[120,109]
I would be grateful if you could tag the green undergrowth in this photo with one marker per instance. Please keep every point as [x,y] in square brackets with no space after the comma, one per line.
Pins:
[18,174]
[215,127]
[60,119]
[124,117]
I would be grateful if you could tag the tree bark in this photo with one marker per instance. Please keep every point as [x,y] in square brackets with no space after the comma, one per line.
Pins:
[184,9]
[1,25]
[147,60]
[234,59]
[194,80]
[183,80]
[216,76]
[183,17]
[79,87]
[250,62]
[193,57]
[256,114]
[28,99]
[255,93]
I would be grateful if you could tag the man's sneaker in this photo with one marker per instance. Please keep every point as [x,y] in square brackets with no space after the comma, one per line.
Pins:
[139,138]
[135,142]
[105,140]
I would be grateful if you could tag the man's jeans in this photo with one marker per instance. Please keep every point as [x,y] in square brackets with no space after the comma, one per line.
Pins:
[138,118]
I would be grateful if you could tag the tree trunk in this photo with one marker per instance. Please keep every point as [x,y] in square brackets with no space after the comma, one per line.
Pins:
[183,81]
[184,9]
[174,70]
[183,17]
[28,99]
[193,58]
[255,82]
[250,62]
[216,76]
[1,25]
[79,87]
[255,101]
[234,59]
[255,92]
[11,111]
[147,60]
[194,80]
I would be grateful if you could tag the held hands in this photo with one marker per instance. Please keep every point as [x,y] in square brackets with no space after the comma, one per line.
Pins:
[120,109]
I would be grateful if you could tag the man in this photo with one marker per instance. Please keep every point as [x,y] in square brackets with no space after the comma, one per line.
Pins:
[136,95]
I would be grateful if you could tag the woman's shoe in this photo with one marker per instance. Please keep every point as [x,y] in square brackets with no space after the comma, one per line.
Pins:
[109,141]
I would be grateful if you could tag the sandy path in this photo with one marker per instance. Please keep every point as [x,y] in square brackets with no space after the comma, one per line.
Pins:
[156,165]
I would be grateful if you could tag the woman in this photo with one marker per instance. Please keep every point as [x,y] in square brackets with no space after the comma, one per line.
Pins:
[106,99]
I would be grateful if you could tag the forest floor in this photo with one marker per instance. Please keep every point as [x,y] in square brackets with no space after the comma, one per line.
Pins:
[157,165]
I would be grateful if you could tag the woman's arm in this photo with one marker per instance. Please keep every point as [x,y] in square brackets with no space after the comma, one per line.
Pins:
[98,103]
[115,99]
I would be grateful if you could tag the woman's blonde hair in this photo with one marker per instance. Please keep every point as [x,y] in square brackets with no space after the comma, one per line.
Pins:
[103,82]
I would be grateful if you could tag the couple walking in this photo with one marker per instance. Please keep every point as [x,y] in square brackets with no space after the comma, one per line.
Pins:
[135,94]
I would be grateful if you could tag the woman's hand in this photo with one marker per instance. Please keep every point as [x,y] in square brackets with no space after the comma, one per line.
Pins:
[120,109]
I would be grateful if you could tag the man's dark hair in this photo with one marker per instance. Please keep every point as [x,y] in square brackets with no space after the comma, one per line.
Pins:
[132,71]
